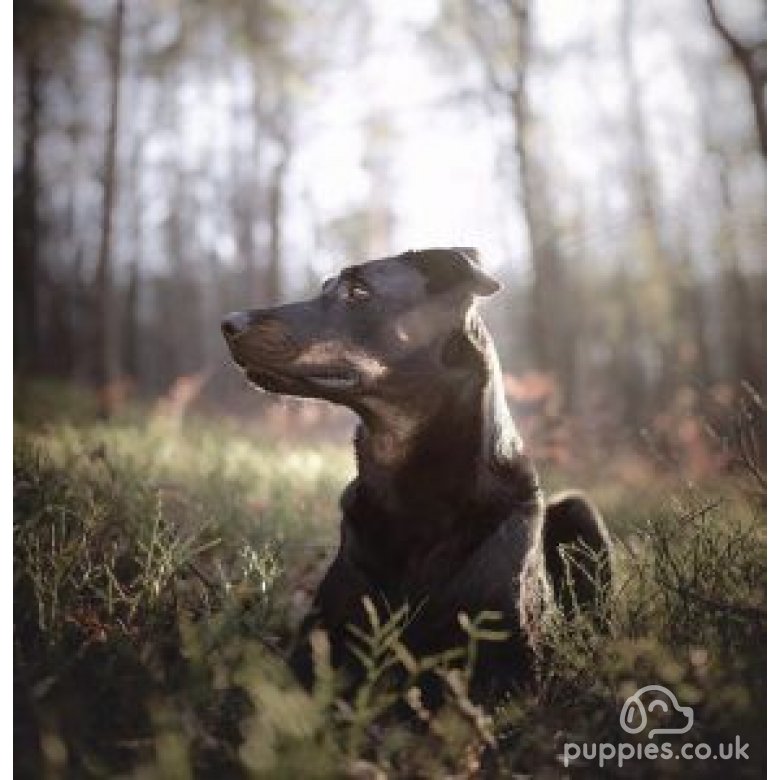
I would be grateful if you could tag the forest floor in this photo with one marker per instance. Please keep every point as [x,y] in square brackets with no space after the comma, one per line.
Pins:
[161,568]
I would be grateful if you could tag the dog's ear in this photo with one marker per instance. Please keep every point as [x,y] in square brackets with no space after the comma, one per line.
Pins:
[482,282]
[446,269]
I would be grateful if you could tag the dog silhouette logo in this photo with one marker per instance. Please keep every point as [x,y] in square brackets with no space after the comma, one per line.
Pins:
[633,716]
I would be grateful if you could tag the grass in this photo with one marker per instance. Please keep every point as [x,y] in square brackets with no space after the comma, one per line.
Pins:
[160,572]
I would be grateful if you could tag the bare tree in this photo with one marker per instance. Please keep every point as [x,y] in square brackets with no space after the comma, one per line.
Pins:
[640,165]
[26,245]
[105,319]
[741,321]
[276,212]
[130,351]
[750,58]
[647,259]
[501,35]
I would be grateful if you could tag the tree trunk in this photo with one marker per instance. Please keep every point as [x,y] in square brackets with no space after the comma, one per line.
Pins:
[130,354]
[552,334]
[26,227]
[642,173]
[630,369]
[276,208]
[751,61]
[652,271]
[130,322]
[740,319]
[692,311]
[105,320]
[742,311]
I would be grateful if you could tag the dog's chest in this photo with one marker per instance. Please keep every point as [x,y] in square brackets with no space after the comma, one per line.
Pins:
[411,551]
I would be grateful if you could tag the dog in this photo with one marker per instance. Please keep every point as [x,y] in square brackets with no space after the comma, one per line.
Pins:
[446,515]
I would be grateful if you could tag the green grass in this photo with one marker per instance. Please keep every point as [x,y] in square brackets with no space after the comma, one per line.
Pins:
[160,572]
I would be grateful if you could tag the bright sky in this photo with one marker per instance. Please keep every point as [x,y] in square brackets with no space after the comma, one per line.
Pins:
[450,184]
[443,177]
[451,169]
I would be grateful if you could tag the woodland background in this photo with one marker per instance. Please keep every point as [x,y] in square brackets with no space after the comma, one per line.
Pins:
[178,160]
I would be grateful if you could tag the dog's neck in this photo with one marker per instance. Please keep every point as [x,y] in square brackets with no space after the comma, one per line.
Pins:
[405,460]
[419,482]
[461,451]
[387,436]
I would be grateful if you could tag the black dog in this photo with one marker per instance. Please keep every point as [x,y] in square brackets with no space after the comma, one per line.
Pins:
[446,514]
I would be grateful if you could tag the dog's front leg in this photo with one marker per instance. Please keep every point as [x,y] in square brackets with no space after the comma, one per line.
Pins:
[337,604]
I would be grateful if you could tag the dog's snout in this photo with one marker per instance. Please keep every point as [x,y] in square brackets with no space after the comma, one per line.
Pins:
[257,334]
[236,323]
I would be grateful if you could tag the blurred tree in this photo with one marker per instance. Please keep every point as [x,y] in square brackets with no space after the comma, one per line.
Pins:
[379,134]
[740,292]
[648,280]
[43,33]
[274,291]
[130,315]
[500,36]
[263,31]
[106,323]
[744,343]
[750,58]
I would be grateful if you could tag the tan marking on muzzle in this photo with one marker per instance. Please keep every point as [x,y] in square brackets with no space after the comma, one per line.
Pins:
[333,353]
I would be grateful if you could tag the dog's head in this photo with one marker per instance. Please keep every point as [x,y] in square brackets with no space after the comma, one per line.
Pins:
[380,330]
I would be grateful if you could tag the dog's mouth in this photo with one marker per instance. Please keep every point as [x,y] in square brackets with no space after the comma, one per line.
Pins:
[334,379]
[295,379]
[303,379]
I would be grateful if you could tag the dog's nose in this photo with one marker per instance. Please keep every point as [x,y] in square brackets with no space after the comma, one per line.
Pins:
[235,323]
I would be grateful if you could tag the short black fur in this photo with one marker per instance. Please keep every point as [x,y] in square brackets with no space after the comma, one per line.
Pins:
[445,514]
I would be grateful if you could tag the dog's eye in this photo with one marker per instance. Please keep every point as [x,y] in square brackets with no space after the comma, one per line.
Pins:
[353,292]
